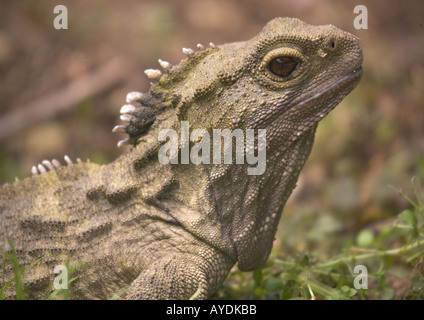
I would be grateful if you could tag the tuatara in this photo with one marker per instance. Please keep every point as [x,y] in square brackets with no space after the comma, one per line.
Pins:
[165,230]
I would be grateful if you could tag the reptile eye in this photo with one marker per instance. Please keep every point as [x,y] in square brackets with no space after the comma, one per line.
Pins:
[282,66]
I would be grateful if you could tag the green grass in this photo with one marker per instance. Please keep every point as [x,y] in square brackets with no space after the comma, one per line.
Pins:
[20,290]
[393,254]
[62,293]
[17,270]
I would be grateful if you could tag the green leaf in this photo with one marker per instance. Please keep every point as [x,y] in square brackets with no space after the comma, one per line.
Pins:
[348,291]
[365,238]
[258,276]
[418,283]
[304,260]
[387,294]
[408,218]
[273,284]
[345,288]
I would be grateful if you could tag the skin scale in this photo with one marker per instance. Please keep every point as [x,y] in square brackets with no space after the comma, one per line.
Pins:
[161,231]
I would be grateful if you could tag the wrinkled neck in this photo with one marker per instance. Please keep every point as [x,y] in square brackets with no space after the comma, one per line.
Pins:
[236,212]
[252,205]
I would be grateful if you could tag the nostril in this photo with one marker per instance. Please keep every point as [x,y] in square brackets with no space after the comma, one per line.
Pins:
[331,44]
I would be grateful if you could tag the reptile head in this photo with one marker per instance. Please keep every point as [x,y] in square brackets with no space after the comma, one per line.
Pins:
[291,67]
[303,72]
[285,80]
[296,74]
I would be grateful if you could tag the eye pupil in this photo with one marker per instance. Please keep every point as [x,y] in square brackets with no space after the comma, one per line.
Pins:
[282,66]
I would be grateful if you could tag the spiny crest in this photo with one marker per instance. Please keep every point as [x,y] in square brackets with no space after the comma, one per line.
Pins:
[47,165]
[156,74]
[141,109]
[138,114]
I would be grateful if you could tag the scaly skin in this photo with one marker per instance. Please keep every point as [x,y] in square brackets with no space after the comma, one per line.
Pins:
[164,230]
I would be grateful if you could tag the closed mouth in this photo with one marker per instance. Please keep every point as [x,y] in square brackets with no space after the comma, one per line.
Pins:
[349,78]
[355,73]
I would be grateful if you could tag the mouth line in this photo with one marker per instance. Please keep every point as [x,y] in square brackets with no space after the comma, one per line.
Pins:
[351,74]
[355,73]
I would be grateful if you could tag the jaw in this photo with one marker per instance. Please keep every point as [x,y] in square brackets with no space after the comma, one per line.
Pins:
[308,110]
[292,135]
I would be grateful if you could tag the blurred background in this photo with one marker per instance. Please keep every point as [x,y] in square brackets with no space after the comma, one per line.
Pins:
[61,91]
